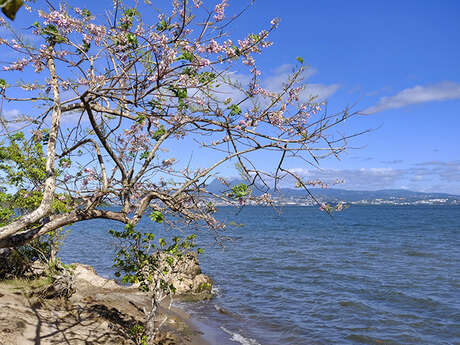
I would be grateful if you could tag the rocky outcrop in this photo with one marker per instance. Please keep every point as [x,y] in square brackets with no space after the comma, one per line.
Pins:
[99,312]
[187,278]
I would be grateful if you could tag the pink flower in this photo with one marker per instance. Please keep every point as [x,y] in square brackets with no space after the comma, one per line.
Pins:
[220,10]
[62,20]
[323,207]
[214,47]
[275,21]
[204,62]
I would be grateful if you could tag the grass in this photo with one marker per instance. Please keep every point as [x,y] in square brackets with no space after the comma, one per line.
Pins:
[25,285]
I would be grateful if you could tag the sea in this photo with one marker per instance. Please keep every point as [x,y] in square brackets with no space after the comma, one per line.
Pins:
[378,275]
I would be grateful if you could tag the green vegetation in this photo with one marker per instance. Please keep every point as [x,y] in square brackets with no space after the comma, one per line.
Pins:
[11,7]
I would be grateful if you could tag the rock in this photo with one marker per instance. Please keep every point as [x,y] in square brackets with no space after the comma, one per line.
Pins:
[186,277]
[37,268]
[62,286]
[87,275]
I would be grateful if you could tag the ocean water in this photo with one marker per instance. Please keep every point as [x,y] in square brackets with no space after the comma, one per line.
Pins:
[369,275]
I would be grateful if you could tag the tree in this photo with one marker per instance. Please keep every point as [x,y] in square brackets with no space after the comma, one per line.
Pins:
[23,165]
[132,87]
[111,95]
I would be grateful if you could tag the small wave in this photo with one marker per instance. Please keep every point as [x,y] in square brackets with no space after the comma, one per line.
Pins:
[224,311]
[364,339]
[418,253]
[216,291]
[239,338]
[355,305]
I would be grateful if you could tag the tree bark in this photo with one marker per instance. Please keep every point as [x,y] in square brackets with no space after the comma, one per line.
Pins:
[50,181]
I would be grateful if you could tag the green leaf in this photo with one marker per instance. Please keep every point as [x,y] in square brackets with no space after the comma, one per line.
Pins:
[11,7]
[180,93]
[52,34]
[132,39]
[141,117]
[159,133]
[206,77]
[157,217]
[169,260]
[86,12]
[186,56]
[298,58]
[239,191]
[131,12]
[235,109]
[254,37]
[2,84]
[162,25]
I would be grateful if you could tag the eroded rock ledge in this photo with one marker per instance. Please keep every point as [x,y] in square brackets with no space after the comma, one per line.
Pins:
[100,311]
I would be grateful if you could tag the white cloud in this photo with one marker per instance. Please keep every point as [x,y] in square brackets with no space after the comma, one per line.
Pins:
[321,92]
[225,90]
[13,119]
[357,179]
[11,114]
[438,176]
[417,94]
[273,83]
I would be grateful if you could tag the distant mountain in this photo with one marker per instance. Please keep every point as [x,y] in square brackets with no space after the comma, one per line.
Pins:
[335,194]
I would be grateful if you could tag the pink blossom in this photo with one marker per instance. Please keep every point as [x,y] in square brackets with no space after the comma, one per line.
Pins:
[214,47]
[204,62]
[276,117]
[97,31]
[15,44]
[86,38]
[200,48]
[275,21]
[17,66]
[249,61]
[62,20]
[65,164]
[220,10]
[168,162]
[65,85]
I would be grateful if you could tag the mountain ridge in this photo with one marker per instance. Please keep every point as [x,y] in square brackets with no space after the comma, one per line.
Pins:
[337,194]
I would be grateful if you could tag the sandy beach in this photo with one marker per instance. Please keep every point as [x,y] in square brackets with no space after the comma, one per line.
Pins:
[99,312]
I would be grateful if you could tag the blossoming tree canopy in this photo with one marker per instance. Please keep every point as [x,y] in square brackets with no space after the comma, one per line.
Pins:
[120,101]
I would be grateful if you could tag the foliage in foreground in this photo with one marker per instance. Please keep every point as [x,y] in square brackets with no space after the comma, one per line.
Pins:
[116,109]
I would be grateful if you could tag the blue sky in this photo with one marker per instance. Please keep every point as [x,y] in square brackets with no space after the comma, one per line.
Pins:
[400,61]
[397,60]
